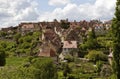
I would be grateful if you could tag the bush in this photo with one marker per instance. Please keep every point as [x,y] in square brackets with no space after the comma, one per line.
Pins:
[25,45]
[99,65]
[106,71]
[2,57]
[28,39]
[96,56]
[46,68]
[39,68]
[69,58]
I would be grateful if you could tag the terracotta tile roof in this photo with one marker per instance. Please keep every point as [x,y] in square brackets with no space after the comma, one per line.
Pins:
[70,44]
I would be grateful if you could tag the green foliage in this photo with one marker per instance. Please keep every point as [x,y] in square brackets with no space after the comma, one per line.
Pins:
[106,71]
[15,61]
[96,56]
[82,50]
[85,68]
[16,37]
[113,76]
[2,58]
[28,39]
[25,45]
[46,68]
[116,40]
[2,34]
[3,44]
[65,25]
[37,68]
[21,45]
[69,58]
[105,42]
[66,69]
[91,42]
[99,65]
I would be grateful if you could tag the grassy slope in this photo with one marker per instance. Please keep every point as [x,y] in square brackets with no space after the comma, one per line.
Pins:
[15,61]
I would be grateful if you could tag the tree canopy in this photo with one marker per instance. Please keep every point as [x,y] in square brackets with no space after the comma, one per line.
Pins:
[116,40]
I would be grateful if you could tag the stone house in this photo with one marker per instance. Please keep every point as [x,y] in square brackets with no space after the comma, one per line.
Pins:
[9,29]
[50,36]
[48,50]
[9,32]
[100,29]
[69,47]
[24,28]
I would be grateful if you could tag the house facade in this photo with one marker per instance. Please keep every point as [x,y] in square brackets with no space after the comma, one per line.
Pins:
[24,28]
[69,45]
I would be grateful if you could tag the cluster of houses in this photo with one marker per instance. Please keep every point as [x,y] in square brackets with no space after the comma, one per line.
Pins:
[54,38]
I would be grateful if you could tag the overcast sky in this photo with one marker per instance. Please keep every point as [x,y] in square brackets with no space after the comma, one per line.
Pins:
[12,12]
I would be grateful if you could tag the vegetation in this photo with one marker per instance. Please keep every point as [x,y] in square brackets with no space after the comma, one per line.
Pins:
[18,55]
[65,25]
[36,68]
[116,40]
[2,57]
[96,56]
[21,45]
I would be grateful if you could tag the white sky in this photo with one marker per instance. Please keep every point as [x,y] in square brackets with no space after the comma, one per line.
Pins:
[12,12]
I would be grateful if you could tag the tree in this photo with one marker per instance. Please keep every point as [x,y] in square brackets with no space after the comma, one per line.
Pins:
[66,69]
[16,37]
[2,34]
[91,42]
[96,56]
[65,25]
[34,68]
[116,40]
[2,57]
[46,68]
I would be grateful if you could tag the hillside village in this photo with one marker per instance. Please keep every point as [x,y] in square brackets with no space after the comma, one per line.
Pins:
[54,35]
[37,42]
[60,40]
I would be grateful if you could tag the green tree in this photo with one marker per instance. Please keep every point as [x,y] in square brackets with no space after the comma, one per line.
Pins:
[3,44]
[66,69]
[3,34]
[2,57]
[16,37]
[91,42]
[34,68]
[65,25]
[96,56]
[46,68]
[116,40]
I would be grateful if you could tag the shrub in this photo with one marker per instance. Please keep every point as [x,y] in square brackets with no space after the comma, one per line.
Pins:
[69,58]
[99,65]
[2,57]
[96,56]
[28,39]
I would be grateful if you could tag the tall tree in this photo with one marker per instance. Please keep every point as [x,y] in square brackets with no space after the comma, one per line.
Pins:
[91,40]
[116,40]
